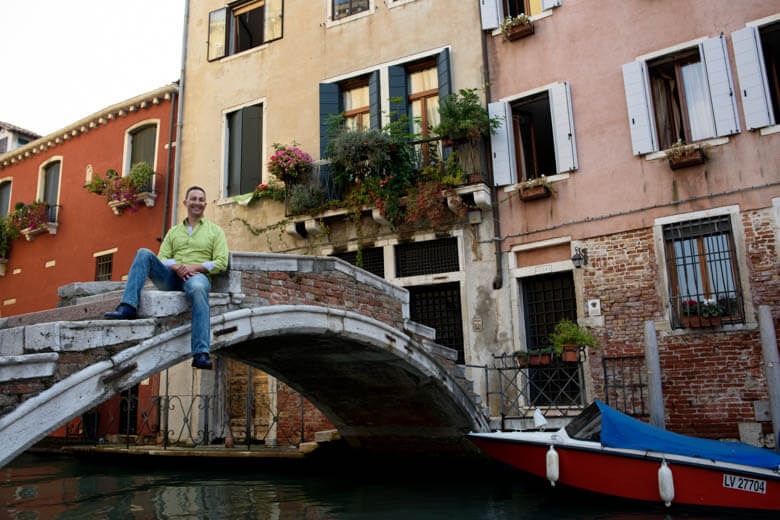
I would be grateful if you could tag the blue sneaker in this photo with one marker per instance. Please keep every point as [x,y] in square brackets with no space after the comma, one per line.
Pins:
[122,312]
[202,361]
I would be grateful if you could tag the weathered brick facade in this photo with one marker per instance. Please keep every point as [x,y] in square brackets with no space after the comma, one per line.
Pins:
[710,377]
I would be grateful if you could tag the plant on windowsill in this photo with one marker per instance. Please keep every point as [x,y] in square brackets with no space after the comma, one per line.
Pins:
[5,245]
[462,118]
[125,192]
[569,339]
[290,164]
[539,188]
[682,155]
[540,356]
[518,27]
[29,220]
[706,313]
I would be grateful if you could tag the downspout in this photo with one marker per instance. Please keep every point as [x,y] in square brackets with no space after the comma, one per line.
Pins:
[498,281]
[177,165]
[166,205]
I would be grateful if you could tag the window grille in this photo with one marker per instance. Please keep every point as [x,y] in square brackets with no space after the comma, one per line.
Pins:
[103,267]
[548,300]
[625,384]
[703,275]
[373,259]
[428,257]
[438,306]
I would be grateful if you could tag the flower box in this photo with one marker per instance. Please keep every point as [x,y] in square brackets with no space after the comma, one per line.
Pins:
[689,158]
[146,197]
[697,322]
[539,358]
[29,233]
[519,31]
[535,192]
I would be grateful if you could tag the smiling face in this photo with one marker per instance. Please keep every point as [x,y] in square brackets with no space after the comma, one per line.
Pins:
[195,202]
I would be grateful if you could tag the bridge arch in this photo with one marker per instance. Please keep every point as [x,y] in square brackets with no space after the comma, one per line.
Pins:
[382,388]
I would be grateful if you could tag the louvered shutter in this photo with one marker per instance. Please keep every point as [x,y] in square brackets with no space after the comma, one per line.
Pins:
[397,91]
[754,87]
[329,106]
[375,109]
[443,67]
[640,117]
[549,4]
[217,39]
[724,104]
[502,145]
[490,11]
[251,153]
[563,128]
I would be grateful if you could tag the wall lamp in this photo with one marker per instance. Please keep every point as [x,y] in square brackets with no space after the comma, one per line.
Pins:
[580,257]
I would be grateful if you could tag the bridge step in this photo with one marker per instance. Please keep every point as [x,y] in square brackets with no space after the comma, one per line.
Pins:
[27,366]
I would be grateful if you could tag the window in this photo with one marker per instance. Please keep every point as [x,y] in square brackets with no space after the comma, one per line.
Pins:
[703,274]
[51,188]
[344,8]
[243,25]
[427,257]
[356,98]
[536,136]
[142,145]
[5,198]
[438,306]
[683,94]
[373,259]
[757,55]
[103,267]
[3,145]
[244,149]
[494,11]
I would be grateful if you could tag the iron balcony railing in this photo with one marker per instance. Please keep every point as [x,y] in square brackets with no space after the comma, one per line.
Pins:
[199,419]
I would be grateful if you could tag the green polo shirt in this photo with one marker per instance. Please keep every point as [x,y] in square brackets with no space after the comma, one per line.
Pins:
[207,243]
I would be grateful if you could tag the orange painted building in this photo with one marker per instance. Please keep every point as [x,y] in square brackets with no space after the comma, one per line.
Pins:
[85,237]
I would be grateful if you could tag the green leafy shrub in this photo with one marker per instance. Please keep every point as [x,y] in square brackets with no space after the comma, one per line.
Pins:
[567,332]
[462,116]
[302,198]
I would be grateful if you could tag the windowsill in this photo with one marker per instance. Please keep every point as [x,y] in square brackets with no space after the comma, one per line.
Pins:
[146,197]
[29,233]
[390,3]
[243,53]
[769,130]
[709,143]
[551,179]
[534,19]
[362,14]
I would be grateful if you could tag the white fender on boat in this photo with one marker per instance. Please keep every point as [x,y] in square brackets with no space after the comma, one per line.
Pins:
[552,465]
[665,484]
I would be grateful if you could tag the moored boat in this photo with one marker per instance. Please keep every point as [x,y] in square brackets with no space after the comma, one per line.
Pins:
[605,451]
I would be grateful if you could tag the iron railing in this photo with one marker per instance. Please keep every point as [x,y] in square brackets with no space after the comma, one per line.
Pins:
[198,419]
[625,384]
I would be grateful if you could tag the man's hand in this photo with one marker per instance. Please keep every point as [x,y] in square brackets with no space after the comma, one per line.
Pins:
[185,271]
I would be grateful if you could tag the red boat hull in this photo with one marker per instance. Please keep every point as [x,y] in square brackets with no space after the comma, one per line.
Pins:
[636,477]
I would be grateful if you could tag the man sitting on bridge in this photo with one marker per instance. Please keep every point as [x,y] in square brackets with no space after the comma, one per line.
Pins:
[190,254]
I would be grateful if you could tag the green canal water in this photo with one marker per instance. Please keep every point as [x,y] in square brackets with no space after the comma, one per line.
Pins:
[56,487]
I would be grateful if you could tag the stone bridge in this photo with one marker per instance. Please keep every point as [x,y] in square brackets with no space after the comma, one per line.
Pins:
[337,334]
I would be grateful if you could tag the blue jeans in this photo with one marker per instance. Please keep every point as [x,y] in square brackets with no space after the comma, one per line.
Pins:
[147,265]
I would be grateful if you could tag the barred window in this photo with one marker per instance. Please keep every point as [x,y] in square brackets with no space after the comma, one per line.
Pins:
[372,259]
[703,275]
[104,265]
[428,257]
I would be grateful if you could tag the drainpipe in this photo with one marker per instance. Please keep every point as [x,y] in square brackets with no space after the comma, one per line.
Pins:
[177,166]
[166,205]
[498,281]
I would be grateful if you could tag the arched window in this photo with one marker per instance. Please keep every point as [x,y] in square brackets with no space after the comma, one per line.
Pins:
[142,145]
[5,198]
[51,188]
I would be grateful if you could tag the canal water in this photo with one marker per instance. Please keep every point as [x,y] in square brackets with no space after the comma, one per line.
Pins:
[55,487]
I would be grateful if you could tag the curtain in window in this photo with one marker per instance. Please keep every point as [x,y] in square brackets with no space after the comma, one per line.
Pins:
[697,98]
[357,98]
[142,145]
[709,276]
[667,111]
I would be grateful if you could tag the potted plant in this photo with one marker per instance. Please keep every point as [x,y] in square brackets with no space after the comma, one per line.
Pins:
[518,27]
[123,192]
[682,155]
[5,245]
[462,117]
[540,356]
[568,339]
[706,313]
[539,188]
[290,164]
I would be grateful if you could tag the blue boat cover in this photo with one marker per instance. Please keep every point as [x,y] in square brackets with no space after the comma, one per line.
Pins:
[619,430]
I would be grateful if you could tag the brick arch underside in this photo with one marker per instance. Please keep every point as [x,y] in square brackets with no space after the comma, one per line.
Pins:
[378,386]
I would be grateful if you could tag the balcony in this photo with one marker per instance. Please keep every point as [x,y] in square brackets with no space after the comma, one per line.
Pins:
[460,168]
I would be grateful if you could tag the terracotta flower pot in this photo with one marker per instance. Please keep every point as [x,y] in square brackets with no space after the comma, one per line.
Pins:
[689,159]
[519,31]
[570,353]
[535,192]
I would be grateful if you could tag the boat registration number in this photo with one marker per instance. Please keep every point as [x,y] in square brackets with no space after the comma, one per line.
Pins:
[745,484]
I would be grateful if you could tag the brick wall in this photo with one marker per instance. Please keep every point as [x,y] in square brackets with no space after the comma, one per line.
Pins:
[710,378]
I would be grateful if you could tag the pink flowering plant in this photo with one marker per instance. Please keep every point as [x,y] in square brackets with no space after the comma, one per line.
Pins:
[289,163]
[26,216]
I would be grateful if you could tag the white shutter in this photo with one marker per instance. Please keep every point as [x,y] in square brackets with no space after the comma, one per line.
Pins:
[640,118]
[549,4]
[490,10]
[502,145]
[563,128]
[724,103]
[754,87]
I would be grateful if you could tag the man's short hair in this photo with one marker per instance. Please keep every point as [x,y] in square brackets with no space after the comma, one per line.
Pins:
[187,194]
